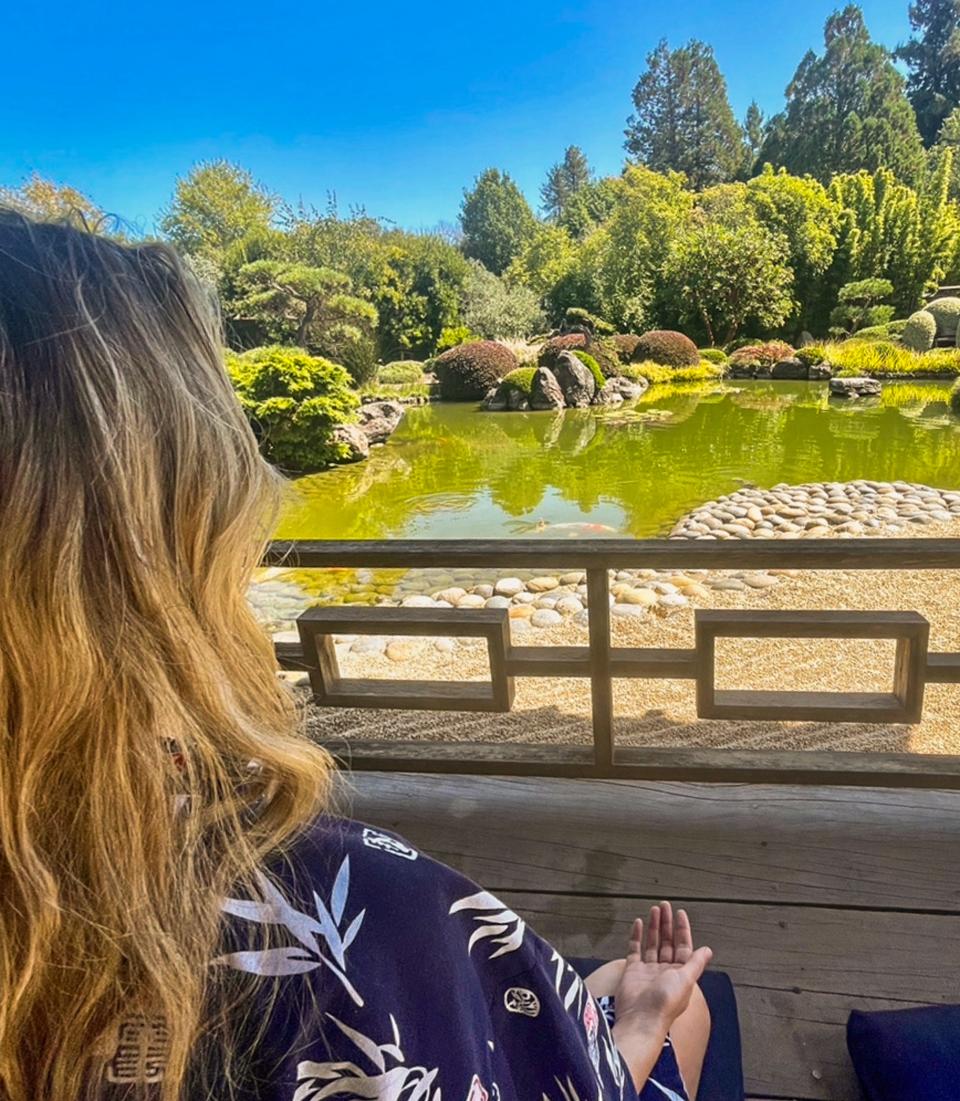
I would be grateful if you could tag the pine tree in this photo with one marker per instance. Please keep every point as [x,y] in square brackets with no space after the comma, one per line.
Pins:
[496,220]
[846,109]
[683,120]
[564,181]
[933,56]
[754,129]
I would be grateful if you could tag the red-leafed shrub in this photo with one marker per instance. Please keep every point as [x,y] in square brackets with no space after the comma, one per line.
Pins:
[762,355]
[626,345]
[569,342]
[468,371]
[666,347]
[601,349]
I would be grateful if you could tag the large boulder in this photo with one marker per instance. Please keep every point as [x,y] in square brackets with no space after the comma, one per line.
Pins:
[545,391]
[354,439]
[576,380]
[854,387]
[627,388]
[495,401]
[379,419]
[791,368]
[517,401]
[820,372]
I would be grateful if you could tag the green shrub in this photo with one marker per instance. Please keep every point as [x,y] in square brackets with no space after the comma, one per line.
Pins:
[656,373]
[469,371]
[294,401]
[714,355]
[811,355]
[669,348]
[577,316]
[955,397]
[588,361]
[765,354]
[520,379]
[453,336]
[400,372]
[626,344]
[946,313]
[862,357]
[920,331]
[890,330]
[607,355]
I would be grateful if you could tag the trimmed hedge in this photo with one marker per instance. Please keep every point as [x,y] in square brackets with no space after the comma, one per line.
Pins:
[920,331]
[671,349]
[293,401]
[606,353]
[520,379]
[400,372]
[588,361]
[469,371]
[569,342]
[626,344]
[714,355]
[946,313]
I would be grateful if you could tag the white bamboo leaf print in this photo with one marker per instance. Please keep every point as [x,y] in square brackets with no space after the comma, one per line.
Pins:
[502,926]
[384,1082]
[323,944]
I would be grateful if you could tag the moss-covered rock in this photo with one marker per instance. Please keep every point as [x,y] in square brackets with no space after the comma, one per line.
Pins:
[469,371]
[669,348]
[920,331]
[590,362]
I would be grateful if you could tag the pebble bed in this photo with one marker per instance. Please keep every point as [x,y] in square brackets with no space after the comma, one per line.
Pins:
[539,604]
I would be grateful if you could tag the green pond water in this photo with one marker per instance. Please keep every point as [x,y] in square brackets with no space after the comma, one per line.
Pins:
[452,472]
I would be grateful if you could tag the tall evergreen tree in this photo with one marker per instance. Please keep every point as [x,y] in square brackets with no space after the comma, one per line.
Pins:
[496,220]
[846,109]
[754,130]
[683,120]
[564,181]
[933,56]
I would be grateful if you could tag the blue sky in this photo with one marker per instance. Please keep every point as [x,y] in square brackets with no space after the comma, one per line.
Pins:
[395,107]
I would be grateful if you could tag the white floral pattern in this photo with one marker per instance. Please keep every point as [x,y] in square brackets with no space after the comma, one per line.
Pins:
[502,926]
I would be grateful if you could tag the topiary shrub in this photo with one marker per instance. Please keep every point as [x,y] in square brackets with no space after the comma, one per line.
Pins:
[714,355]
[401,372]
[469,371]
[577,316]
[588,361]
[626,344]
[671,349]
[811,355]
[920,331]
[946,313]
[569,342]
[605,352]
[765,354]
[294,401]
[520,379]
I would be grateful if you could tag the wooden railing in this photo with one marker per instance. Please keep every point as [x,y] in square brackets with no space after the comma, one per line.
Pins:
[602,663]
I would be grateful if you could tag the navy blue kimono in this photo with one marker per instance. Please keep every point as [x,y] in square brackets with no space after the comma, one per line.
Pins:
[401,980]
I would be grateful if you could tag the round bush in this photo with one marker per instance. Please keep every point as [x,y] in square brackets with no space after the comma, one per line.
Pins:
[294,401]
[469,371]
[569,342]
[920,331]
[666,347]
[714,355]
[589,362]
[400,373]
[520,379]
[626,344]
[811,355]
[605,352]
[946,313]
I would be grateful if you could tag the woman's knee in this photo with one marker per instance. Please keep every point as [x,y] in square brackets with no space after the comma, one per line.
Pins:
[690,1035]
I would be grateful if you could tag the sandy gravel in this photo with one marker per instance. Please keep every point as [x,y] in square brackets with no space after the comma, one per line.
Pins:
[662,713]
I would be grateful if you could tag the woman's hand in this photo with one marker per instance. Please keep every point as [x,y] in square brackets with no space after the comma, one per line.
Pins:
[659,975]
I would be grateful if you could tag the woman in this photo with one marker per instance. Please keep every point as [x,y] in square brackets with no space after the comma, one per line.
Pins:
[182,915]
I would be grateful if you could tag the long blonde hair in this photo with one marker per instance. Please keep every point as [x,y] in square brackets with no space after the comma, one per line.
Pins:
[134,507]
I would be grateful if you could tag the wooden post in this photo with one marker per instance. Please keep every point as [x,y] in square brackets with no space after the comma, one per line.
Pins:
[601,684]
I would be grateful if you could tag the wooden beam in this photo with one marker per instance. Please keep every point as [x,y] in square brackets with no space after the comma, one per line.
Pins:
[601,685]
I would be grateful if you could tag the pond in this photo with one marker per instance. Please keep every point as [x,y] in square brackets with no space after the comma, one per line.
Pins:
[452,472]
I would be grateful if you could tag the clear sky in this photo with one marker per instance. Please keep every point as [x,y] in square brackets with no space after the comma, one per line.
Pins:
[392,106]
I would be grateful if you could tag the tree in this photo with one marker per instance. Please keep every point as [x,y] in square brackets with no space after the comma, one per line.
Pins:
[683,121]
[564,181]
[215,207]
[754,129]
[589,207]
[494,309]
[846,109]
[309,307]
[48,201]
[723,277]
[932,55]
[859,305]
[496,220]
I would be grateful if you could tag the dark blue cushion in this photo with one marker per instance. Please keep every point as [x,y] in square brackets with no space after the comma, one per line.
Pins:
[722,1077]
[907,1054]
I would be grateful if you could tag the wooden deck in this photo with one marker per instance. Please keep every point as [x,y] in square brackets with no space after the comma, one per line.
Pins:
[815,900]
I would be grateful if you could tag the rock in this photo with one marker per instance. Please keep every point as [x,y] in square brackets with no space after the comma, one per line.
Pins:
[629,611]
[368,644]
[379,419]
[509,586]
[444,645]
[497,602]
[854,387]
[759,580]
[517,402]
[521,611]
[418,602]
[671,601]
[576,381]
[577,578]
[642,598]
[483,590]
[627,388]
[471,600]
[400,650]
[820,372]
[353,437]
[790,368]
[609,395]
[495,401]
[542,584]
[546,617]
[525,598]
[569,605]
[451,596]
[545,392]
[519,626]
